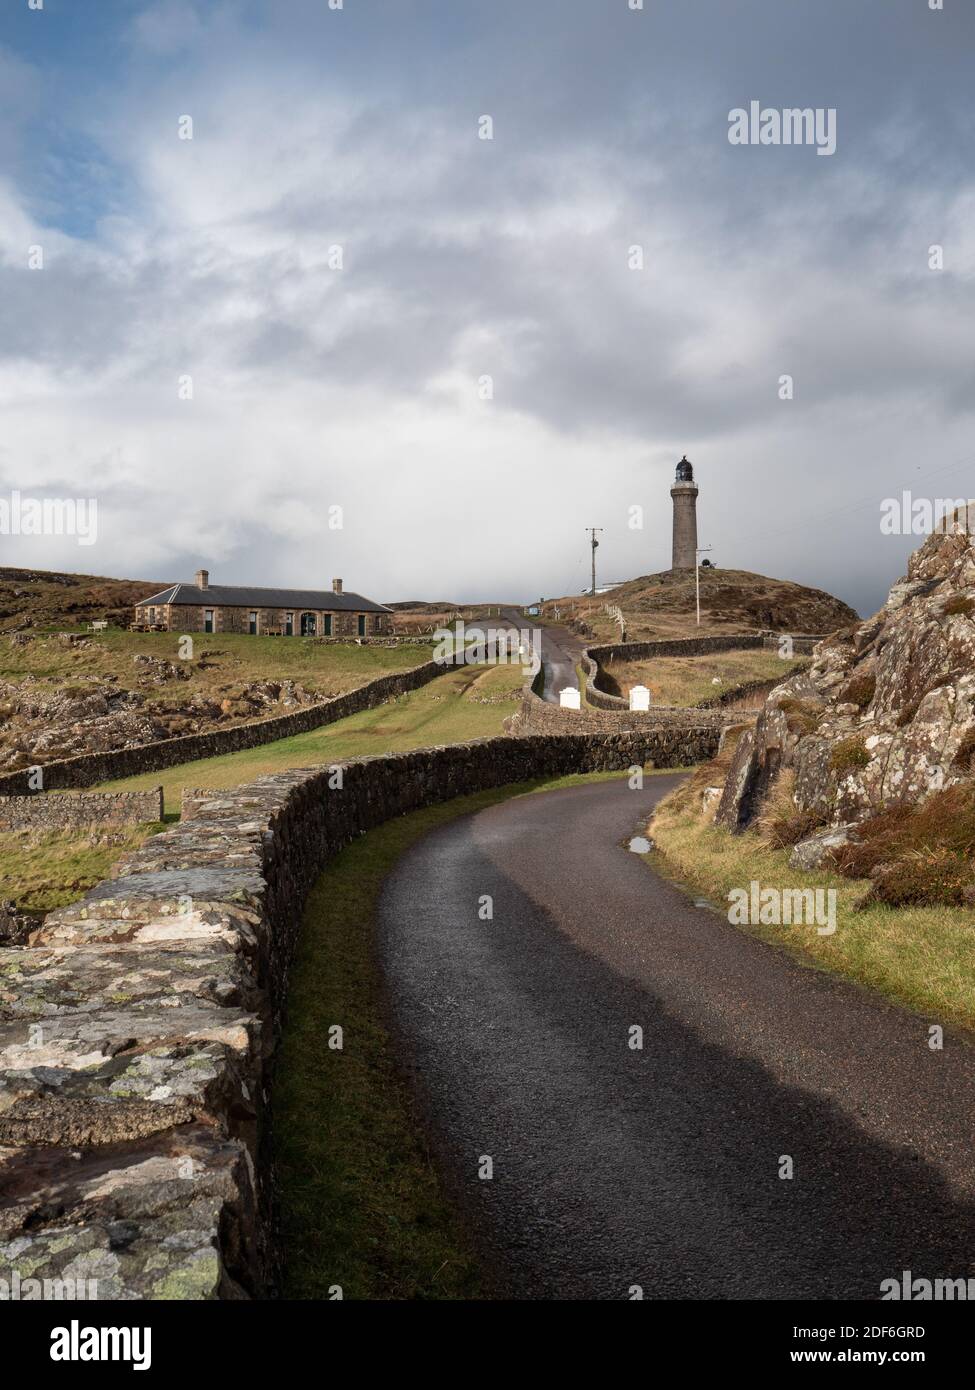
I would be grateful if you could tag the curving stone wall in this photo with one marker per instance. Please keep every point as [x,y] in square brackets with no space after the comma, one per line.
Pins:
[89,769]
[536,716]
[596,657]
[137,1027]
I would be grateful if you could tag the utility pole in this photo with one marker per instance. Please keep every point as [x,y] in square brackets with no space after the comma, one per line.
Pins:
[595,545]
[697,577]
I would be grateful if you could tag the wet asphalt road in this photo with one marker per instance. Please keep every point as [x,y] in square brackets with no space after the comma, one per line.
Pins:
[660,1167]
[560,657]
[560,651]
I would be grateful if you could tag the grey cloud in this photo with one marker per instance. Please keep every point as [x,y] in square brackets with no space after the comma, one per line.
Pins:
[465,258]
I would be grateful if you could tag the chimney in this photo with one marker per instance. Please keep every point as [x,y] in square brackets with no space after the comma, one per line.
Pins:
[336,586]
[203,579]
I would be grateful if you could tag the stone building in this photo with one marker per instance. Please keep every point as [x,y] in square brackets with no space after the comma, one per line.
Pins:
[684,494]
[202,607]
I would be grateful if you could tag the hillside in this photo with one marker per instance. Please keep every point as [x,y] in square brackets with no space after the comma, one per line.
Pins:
[62,694]
[45,598]
[663,605]
[873,746]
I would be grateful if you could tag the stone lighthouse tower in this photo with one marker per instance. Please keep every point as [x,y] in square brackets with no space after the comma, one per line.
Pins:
[684,493]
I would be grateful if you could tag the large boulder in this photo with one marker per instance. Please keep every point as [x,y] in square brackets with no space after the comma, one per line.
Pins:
[886,713]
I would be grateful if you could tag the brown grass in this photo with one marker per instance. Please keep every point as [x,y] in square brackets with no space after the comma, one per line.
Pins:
[945,820]
[801,716]
[965,756]
[850,753]
[916,855]
[662,605]
[782,823]
[860,690]
[41,872]
[923,877]
[686,680]
[923,957]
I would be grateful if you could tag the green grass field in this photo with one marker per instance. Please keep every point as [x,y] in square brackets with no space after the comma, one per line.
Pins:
[41,872]
[231,659]
[448,710]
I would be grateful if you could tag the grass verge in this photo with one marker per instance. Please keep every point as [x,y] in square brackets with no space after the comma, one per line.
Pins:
[361,1204]
[41,872]
[921,957]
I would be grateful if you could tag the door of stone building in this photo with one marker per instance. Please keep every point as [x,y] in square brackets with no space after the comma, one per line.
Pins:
[328,624]
[362,624]
[208,620]
[252,627]
[289,624]
[307,624]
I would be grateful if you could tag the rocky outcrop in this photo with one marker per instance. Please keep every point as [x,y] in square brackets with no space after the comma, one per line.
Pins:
[886,713]
[96,715]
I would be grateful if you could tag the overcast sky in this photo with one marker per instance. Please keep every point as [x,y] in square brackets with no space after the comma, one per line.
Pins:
[463,258]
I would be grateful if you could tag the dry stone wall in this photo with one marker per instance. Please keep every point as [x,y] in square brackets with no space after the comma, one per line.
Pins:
[89,769]
[801,645]
[137,1027]
[596,657]
[536,716]
[83,811]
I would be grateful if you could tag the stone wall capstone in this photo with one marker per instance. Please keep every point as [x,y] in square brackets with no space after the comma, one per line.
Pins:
[137,1027]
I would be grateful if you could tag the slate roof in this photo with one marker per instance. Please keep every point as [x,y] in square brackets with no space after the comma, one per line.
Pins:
[228,596]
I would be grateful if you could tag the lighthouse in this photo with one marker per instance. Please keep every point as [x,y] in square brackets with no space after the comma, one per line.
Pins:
[684,493]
